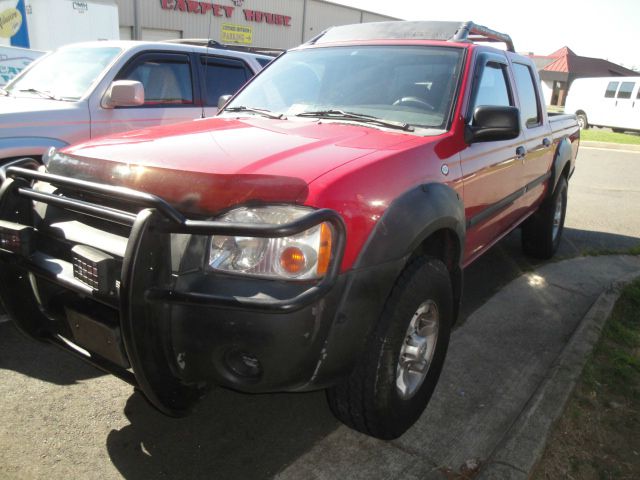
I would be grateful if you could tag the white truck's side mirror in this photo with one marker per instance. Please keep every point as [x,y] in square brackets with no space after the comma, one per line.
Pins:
[124,93]
[222,101]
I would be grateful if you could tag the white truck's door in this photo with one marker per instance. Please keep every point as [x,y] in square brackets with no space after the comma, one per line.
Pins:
[171,94]
[607,112]
[624,106]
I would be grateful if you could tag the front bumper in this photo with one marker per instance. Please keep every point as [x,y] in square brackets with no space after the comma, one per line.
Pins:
[169,332]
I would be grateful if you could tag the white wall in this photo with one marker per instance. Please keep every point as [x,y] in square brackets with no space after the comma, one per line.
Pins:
[547,91]
[53,23]
[319,15]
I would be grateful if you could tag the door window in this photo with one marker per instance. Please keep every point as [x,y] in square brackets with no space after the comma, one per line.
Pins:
[222,77]
[529,105]
[166,79]
[493,88]
[611,90]
[625,90]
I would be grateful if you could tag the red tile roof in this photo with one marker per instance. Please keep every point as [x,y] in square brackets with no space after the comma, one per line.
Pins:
[566,61]
[563,52]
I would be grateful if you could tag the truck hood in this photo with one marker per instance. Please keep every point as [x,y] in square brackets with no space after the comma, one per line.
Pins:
[207,165]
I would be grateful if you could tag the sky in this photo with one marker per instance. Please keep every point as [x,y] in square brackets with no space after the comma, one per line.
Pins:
[591,28]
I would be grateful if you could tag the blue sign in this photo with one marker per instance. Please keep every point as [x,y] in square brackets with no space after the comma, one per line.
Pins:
[21,38]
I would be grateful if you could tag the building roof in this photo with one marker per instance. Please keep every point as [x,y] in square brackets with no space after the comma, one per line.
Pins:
[563,52]
[564,64]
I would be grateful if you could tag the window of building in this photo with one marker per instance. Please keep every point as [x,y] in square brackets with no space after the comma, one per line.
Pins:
[625,90]
[529,105]
[611,90]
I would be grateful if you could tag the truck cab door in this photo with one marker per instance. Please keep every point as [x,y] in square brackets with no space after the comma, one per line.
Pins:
[170,96]
[492,171]
[537,135]
[607,113]
[624,107]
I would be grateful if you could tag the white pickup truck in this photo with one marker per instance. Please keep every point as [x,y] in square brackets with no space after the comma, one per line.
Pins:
[86,90]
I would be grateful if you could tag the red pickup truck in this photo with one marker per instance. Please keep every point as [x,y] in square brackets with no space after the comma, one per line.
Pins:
[313,235]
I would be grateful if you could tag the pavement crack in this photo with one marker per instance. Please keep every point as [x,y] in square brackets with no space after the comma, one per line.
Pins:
[507,464]
[570,290]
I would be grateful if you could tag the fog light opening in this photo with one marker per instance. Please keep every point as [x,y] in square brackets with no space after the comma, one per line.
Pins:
[243,364]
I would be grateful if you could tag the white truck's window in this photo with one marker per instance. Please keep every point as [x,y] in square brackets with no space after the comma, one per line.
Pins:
[66,74]
[611,90]
[223,77]
[166,82]
[529,111]
[625,90]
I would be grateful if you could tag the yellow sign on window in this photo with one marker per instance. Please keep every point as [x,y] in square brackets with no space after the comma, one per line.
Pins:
[232,33]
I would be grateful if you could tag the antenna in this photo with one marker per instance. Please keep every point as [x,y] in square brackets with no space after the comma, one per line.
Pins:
[206,65]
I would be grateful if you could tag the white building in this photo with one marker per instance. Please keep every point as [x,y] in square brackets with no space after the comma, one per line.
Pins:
[264,23]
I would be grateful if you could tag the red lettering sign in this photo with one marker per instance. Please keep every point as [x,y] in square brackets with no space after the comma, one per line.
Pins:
[217,10]
[270,18]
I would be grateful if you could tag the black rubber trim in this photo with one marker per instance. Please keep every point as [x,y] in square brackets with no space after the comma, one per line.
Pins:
[500,205]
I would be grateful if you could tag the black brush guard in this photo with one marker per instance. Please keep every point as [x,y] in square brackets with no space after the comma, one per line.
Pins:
[143,299]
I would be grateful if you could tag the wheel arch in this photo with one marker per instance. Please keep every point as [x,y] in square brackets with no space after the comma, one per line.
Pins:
[427,220]
[19,147]
[562,164]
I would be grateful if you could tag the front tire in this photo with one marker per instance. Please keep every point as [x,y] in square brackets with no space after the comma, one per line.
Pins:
[392,383]
[542,231]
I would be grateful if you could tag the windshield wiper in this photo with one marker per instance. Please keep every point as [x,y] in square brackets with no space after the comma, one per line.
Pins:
[42,93]
[356,117]
[260,111]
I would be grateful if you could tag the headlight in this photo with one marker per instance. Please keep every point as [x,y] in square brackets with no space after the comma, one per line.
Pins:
[303,256]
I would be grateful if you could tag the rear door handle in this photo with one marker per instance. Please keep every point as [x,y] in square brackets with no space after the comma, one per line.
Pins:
[521,152]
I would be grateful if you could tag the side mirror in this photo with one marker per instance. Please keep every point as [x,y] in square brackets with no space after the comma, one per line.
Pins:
[491,123]
[124,93]
[222,101]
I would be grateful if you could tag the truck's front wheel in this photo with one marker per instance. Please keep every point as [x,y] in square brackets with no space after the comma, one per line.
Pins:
[398,371]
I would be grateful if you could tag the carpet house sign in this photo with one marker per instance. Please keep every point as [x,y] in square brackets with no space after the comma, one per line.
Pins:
[226,11]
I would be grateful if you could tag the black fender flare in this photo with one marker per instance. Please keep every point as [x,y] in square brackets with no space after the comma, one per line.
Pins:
[562,157]
[410,220]
[398,234]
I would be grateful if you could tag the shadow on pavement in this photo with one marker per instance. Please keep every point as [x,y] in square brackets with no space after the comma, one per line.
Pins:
[505,262]
[230,435]
[41,360]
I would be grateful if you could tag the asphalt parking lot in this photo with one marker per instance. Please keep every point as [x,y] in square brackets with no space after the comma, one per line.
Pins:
[64,419]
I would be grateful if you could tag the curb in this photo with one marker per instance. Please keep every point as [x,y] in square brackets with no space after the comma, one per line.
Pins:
[610,146]
[522,446]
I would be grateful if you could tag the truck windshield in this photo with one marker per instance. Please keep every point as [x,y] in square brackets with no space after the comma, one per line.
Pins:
[405,85]
[65,74]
